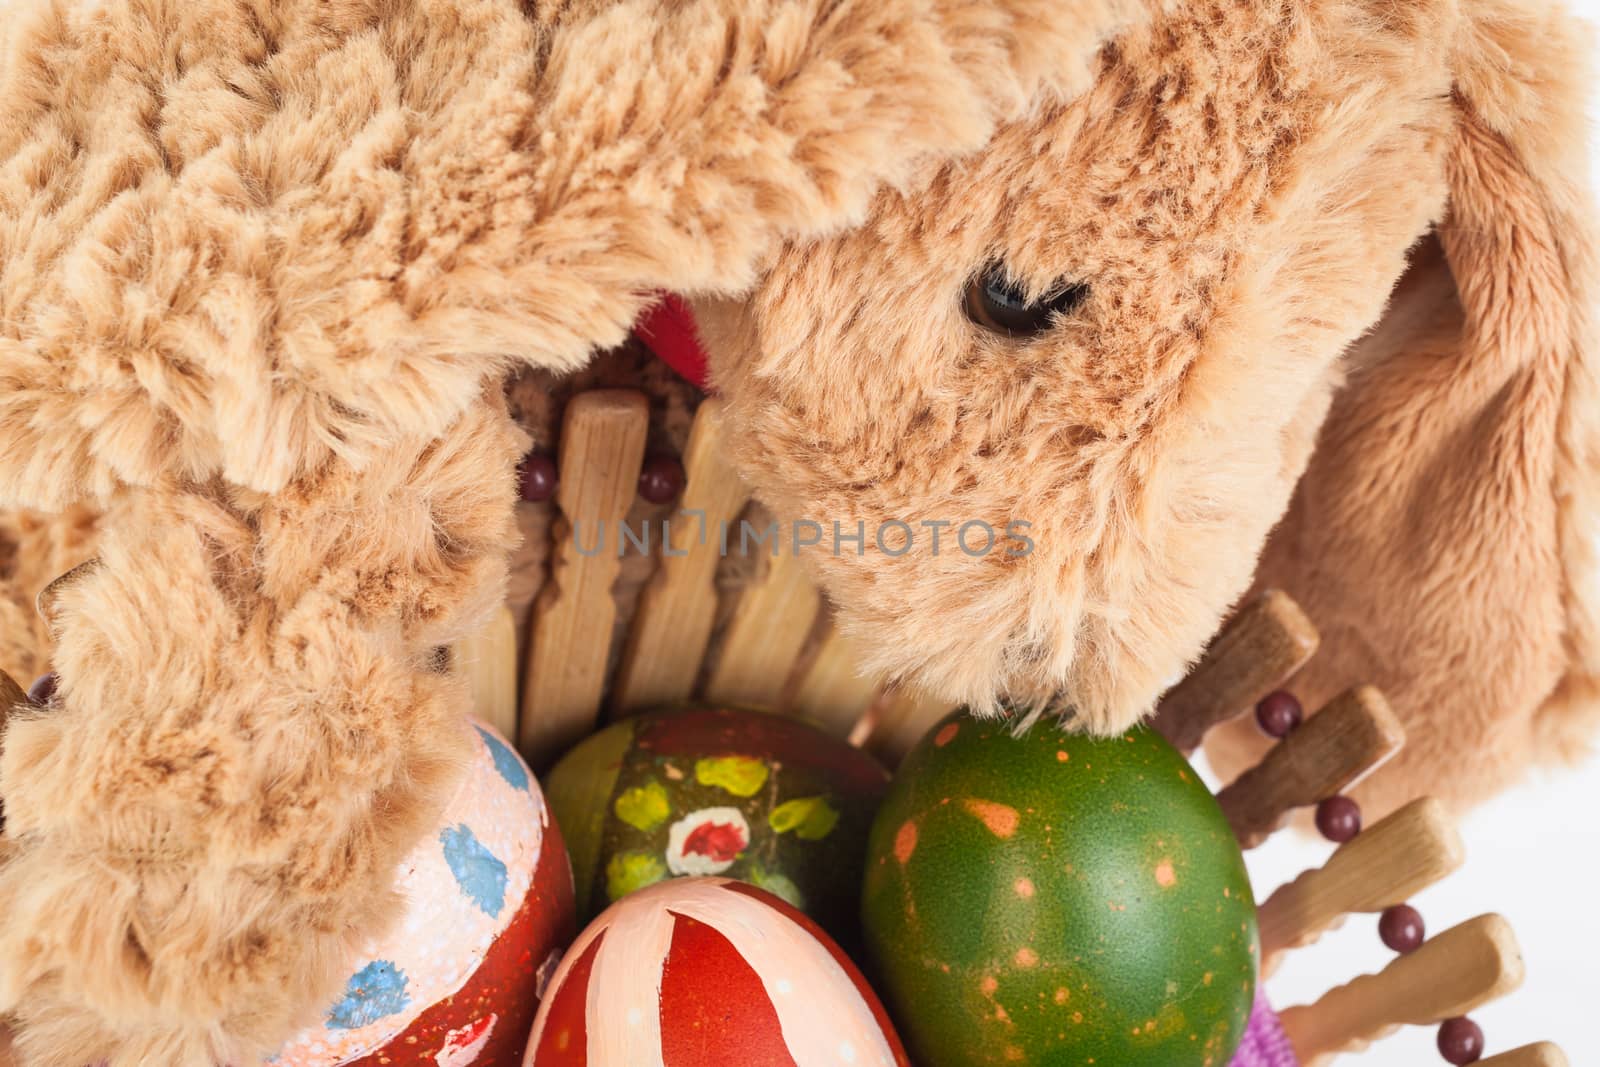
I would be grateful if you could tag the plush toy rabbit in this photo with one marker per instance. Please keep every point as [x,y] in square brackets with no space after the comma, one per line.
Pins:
[1123,271]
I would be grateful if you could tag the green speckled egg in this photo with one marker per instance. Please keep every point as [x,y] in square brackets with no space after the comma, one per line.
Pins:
[762,798]
[1054,899]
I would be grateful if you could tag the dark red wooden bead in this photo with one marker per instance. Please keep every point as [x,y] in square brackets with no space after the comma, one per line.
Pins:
[1339,819]
[1401,928]
[661,479]
[42,689]
[1279,713]
[538,476]
[1460,1041]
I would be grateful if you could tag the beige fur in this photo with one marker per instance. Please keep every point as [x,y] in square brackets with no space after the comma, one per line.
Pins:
[1238,190]
[1444,537]
[262,266]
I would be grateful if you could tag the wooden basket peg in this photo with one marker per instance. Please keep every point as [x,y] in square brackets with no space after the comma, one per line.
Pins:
[771,622]
[671,627]
[488,658]
[1542,1054]
[1334,748]
[1260,649]
[1386,864]
[602,449]
[1450,975]
[832,690]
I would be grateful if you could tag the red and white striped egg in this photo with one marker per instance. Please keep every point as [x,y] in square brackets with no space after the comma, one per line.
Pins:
[695,972]
[488,909]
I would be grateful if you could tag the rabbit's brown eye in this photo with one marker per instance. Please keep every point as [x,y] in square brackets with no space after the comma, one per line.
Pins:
[997,303]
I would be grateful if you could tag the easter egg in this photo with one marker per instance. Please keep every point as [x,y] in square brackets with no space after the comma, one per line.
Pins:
[488,906]
[1052,899]
[762,798]
[696,972]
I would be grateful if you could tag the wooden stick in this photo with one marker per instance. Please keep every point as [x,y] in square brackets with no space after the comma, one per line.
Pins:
[903,718]
[672,626]
[528,567]
[833,692]
[1542,1054]
[489,660]
[1450,975]
[1388,863]
[1333,749]
[1264,645]
[769,628]
[602,448]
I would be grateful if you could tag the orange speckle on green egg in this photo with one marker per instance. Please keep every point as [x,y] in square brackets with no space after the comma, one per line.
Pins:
[1062,755]
[946,734]
[1000,819]
[1062,996]
[1026,957]
[989,985]
[1166,878]
[1024,888]
[905,842]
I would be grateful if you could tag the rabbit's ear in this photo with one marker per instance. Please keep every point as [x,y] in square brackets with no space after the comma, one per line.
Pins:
[1444,537]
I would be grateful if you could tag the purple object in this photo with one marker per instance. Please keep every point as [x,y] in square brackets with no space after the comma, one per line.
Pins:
[1264,1044]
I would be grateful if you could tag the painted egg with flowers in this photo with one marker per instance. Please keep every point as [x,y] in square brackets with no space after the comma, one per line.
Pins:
[488,911]
[763,798]
[1048,898]
[696,972]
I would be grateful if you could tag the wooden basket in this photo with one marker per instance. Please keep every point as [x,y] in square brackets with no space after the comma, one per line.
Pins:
[765,640]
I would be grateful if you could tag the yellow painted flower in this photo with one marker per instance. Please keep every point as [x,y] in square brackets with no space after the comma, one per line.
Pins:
[740,775]
[629,871]
[811,818]
[644,807]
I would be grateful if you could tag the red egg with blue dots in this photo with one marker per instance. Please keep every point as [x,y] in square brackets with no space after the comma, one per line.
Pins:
[489,910]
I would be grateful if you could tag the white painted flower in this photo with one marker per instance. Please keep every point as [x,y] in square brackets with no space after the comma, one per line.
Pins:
[707,841]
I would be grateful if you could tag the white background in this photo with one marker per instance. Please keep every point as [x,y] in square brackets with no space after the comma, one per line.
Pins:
[1533,855]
